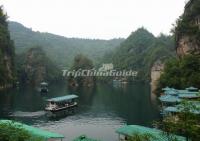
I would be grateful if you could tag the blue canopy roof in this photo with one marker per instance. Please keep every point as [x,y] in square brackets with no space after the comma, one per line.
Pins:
[171,92]
[169,99]
[192,88]
[186,92]
[171,109]
[63,98]
[177,110]
[189,96]
[166,89]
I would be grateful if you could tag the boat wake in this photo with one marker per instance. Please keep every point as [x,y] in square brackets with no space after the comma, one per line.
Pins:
[28,114]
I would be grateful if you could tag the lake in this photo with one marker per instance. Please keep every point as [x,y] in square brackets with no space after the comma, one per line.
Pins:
[101,109]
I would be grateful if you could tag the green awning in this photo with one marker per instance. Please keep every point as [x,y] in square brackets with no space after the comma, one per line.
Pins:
[84,138]
[130,130]
[166,89]
[63,98]
[169,99]
[189,96]
[192,89]
[33,131]
[180,108]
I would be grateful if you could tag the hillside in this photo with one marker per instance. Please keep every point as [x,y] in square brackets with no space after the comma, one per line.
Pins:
[140,50]
[58,48]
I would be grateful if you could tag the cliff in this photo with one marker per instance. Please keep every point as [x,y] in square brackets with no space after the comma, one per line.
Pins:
[187,30]
[81,62]
[156,72]
[36,67]
[6,53]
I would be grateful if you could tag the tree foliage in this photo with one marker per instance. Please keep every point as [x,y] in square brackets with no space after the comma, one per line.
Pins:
[140,50]
[181,73]
[11,132]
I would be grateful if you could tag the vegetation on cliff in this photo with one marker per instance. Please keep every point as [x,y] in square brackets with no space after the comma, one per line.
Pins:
[81,62]
[140,50]
[34,67]
[182,73]
[6,52]
[186,24]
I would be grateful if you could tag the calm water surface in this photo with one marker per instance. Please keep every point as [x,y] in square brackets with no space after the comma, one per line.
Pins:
[101,110]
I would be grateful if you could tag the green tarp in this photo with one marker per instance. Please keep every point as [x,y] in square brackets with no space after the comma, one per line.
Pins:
[33,131]
[130,130]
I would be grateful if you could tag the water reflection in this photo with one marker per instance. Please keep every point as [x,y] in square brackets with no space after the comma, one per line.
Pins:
[102,109]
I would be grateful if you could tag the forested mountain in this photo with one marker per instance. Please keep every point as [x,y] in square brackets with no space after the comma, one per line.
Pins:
[140,50]
[6,53]
[58,48]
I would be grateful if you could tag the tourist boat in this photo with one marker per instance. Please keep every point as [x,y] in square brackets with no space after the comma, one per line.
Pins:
[61,106]
[44,87]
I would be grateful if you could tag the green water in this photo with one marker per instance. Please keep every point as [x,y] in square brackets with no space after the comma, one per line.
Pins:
[101,109]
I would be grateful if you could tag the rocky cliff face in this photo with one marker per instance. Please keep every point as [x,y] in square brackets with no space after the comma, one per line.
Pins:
[34,67]
[37,68]
[187,30]
[187,45]
[156,72]
[6,54]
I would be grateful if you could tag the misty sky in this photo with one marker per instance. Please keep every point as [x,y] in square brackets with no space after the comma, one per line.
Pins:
[104,19]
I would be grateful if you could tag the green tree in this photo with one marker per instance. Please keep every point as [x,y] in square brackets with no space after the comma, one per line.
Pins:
[13,132]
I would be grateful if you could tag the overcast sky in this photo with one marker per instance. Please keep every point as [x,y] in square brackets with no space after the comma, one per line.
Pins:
[104,19]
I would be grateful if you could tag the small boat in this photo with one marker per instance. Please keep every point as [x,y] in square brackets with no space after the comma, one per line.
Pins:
[61,106]
[44,87]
